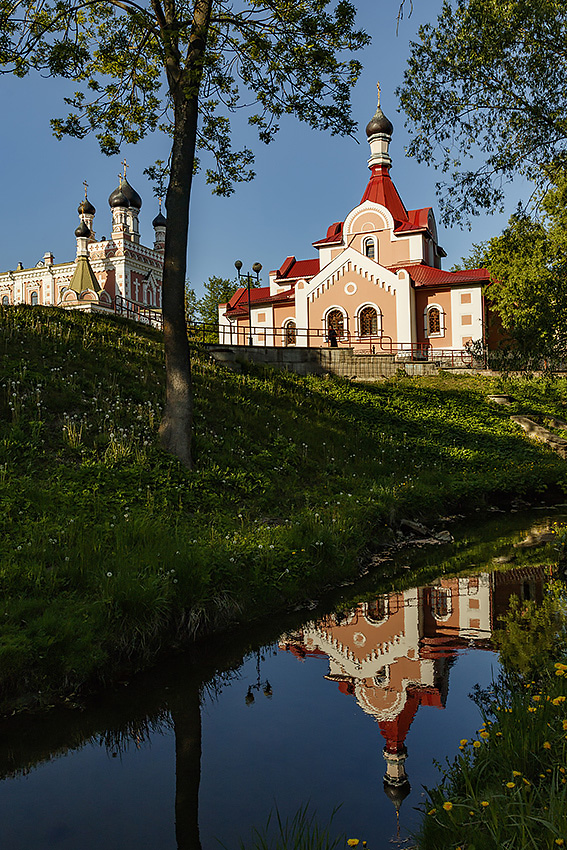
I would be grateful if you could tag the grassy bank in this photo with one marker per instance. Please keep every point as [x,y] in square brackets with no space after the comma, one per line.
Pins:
[109,551]
[508,787]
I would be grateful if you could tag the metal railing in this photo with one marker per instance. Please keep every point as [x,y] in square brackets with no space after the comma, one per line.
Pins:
[377,344]
[138,312]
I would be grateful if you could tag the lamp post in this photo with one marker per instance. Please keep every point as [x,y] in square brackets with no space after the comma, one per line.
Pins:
[256,268]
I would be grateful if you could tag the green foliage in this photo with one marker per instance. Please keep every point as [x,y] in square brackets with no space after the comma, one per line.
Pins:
[528,267]
[298,477]
[532,635]
[488,78]
[216,290]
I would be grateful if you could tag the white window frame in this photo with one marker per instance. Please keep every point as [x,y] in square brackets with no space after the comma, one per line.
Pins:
[374,240]
[442,322]
[285,324]
[379,322]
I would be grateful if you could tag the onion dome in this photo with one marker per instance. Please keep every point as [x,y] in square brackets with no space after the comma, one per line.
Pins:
[379,124]
[397,793]
[132,196]
[118,198]
[82,231]
[86,208]
[159,221]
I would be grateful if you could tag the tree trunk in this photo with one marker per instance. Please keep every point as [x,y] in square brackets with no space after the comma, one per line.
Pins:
[176,426]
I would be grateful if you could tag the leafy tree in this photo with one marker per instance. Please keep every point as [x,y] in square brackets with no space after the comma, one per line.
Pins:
[184,67]
[528,267]
[491,78]
[217,290]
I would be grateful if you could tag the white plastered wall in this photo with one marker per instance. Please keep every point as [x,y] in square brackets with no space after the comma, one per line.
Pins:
[458,310]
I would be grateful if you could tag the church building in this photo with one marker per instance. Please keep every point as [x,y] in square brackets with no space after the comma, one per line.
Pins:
[116,273]
[377,281]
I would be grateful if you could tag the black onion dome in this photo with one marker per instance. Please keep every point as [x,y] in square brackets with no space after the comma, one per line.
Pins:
[85,207]
[397,793]
[82,230]
[379,124]
[118,198]
[133,198]
[160,220]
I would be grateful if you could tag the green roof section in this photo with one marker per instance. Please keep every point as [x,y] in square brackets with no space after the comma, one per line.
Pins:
[84,277]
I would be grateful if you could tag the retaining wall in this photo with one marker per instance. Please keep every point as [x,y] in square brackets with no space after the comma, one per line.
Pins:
[320,361]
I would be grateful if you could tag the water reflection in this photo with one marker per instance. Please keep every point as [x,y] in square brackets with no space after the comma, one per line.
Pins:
[393,653]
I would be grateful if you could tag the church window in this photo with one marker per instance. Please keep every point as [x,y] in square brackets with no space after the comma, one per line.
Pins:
[34,299]
[434,321]
[290,332]
[336,320]
[369,248]
[5,301]
[368,322]
[441,602]
[377,609]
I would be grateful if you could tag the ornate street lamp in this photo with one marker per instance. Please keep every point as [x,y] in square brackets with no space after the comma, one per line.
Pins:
[256,268]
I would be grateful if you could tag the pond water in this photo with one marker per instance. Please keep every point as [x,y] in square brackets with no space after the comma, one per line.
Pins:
[348,705]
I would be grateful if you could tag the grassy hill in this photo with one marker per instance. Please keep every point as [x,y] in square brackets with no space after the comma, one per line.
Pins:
[110,551]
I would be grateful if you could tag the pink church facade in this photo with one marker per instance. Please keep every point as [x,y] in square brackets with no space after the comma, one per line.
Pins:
[377,281]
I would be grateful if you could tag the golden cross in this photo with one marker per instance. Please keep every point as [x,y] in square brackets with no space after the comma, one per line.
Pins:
[86,185]
[378,87]
[125,164]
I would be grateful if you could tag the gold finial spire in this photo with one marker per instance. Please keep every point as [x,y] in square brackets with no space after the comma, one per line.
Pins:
[125,165]
[159,203]
[378,87]
[86,185]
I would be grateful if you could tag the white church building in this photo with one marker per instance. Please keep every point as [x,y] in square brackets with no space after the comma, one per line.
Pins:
[118,273]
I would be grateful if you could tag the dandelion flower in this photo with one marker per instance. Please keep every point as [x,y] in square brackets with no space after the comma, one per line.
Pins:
[560,841]
[510,785]
[546,745]
[476,744]
[352,842]
[484,804]
[516,773]
[431,811]
[447,805]
[464,741]
[484,734]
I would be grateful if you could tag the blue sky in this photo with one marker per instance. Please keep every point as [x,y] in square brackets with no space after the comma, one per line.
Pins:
[305,179]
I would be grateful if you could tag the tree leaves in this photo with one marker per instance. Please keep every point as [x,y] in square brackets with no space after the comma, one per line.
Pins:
[489,77]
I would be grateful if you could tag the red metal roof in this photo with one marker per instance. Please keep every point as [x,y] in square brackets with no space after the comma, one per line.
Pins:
[381,190]
[428,276]
[417,220]
[261,296]
[334,235]
[293,269]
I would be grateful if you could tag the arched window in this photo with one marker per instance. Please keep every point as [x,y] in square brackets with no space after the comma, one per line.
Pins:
[368,322]
[434,321]
[5,301]
[34,299]
[290,333]
[377,609]
[336,320]
[369,248]
[441,606]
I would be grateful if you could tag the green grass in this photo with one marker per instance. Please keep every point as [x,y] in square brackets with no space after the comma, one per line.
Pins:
[110,551]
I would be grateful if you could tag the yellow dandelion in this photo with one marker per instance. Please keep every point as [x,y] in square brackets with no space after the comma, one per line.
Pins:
[516,773]
[531,708]
[352,842]
[476,744]
[560,841]
[431,811]
[560,672]
[464,741]
[558,700]
[510,785]
[484,804]
[546,745]
[565,725]
[536,697]
[447,805]
[525,781]
[499,734]
[485,735]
